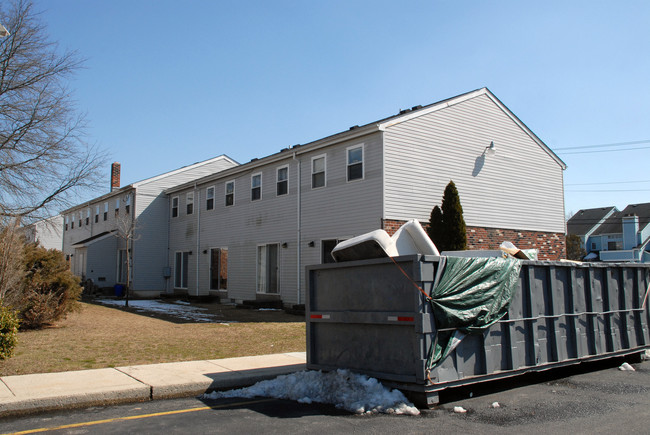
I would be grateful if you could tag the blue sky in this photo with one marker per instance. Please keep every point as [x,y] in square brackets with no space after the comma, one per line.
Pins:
[170,83]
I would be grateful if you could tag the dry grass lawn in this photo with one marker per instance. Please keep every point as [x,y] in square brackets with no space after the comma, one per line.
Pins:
[98,337]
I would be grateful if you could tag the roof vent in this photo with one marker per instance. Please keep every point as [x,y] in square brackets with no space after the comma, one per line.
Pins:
[353,127]
[254,159]
[284,149]
[419,106]
[296,146]
[403,111]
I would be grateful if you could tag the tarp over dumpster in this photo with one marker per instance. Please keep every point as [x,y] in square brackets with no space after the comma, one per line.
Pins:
[469,296]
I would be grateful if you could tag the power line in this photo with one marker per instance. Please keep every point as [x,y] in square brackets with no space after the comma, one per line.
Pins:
[636,142]
[610,190]
[603,151]
[607,182]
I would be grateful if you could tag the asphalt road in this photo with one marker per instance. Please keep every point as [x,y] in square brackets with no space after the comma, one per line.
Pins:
[596,398]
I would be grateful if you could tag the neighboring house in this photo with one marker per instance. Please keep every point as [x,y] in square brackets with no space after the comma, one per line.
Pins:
[47,232]
[624,236]
[585,222]
[248,232]
[91,236]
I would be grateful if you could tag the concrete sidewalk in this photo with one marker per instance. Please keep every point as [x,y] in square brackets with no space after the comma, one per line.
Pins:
[46,391]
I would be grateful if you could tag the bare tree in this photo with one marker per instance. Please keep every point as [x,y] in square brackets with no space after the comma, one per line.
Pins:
[44,158]
[126,232]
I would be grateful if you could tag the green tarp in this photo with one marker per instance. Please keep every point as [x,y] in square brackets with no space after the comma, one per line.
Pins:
[470,295]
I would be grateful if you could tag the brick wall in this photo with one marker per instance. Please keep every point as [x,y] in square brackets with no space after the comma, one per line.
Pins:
[551,246]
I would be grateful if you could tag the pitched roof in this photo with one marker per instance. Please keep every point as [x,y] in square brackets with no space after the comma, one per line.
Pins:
[584,221]
[380,125]
[614,224]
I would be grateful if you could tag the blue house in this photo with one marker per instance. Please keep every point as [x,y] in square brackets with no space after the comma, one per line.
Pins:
[612,235]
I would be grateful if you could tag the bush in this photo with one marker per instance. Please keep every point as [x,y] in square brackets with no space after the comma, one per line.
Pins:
[49,289]
[8,331]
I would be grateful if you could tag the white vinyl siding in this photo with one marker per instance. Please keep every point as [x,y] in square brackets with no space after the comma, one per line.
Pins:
[519,187]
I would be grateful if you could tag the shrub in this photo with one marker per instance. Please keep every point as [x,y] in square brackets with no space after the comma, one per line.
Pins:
[49,289]
[8,331]
[446,225]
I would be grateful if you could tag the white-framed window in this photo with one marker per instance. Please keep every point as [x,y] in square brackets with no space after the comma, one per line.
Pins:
[105,210]
[355,162]
[318,171]
[97,213]
[127,202]
[219,269]
[87,216]
[181,267]
[117,206]
[209,198]
[189,202]
[282,180]
[175,206]
[230,193]
[256,187]
[72,221]
[81,216]
[67,221]
[268,268]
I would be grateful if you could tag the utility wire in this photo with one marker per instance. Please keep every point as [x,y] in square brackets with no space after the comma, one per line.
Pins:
[607,182]
[636,142]
[603,151]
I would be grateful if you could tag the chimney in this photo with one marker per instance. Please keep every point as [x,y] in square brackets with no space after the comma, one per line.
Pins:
[115,176]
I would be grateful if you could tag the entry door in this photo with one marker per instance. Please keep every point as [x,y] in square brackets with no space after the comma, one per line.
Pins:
[268,268]
[218,268]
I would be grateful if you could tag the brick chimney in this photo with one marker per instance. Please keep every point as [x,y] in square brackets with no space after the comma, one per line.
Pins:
[115,176]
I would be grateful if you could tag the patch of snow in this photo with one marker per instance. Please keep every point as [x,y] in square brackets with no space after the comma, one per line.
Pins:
[184,312]
[495,405]
[459,410]
[342,388]
[626,367]
[269,309]
[182,302]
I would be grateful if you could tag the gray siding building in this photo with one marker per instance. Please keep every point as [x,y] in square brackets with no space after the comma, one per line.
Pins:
[247,232]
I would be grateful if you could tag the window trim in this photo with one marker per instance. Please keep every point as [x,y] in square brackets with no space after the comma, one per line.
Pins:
[278,181]
[208,205]
[174,209]
[257,269]
[183,276]
[253,188]
[347,162]
[324,157]
[189,203]
[226,194]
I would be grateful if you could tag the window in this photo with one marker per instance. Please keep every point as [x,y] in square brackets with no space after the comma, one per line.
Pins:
[326,250]
[175,206]
[614,245]
[81,215]
[181,262]
[127,207]
[122,260]
[355,163]
[96,213]
[230,193]
[267,268]
[87,216]
[105,210]
[67,220]
[256,187]
[593,246]
[189,202]
[318,172]
[209,198]
[282,181]
[72,223]
[117,207]
[218,268]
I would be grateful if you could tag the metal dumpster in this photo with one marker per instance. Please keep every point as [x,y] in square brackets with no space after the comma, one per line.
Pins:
[370,317]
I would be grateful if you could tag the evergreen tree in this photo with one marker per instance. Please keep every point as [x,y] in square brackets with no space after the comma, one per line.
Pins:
[436,230]
[452,216]
[574,249]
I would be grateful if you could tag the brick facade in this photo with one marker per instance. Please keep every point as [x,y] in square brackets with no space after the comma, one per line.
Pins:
[551,246]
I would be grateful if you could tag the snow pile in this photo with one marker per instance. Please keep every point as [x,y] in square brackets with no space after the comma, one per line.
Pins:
[459,410]
[180,310]
[626,367]
[352,392]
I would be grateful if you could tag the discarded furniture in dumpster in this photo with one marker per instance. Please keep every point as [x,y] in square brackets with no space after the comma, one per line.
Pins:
[376,317]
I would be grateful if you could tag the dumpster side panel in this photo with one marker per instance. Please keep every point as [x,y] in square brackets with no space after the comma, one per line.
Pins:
[369,317]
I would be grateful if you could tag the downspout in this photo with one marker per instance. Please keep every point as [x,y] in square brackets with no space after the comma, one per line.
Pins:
[197,203]
[298,230]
